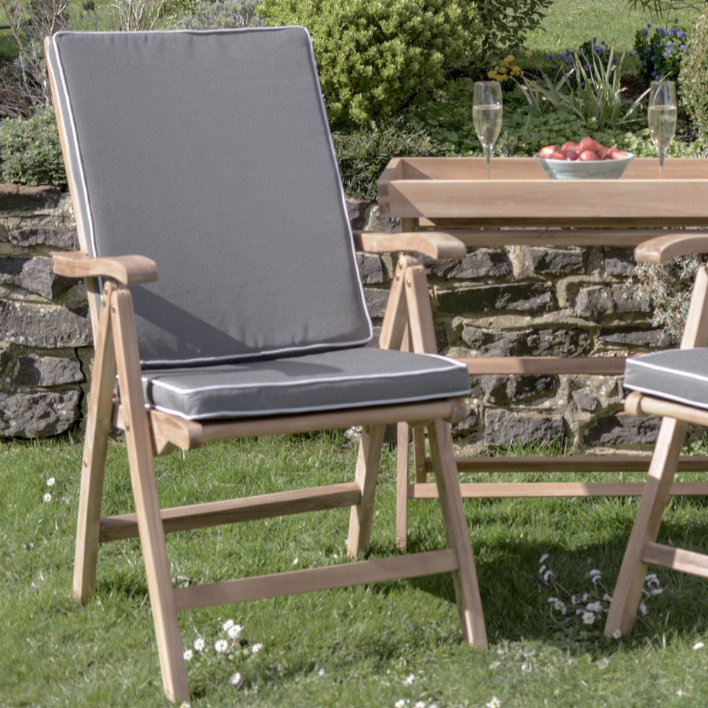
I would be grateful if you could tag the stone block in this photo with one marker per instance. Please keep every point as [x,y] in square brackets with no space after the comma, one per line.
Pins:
[528,342]
[45,371]
[15,197]
[526,388]
[370,268]
[44,326]
[385,224]
[35,275]
[636,337]
[619,261]
[622,429]
[504,428]
[468,425]
[376,302]
[480,263]
[357,210]
[519,297]
[598,300]
[59,237]
[38,415]
[557,261]
[585,401]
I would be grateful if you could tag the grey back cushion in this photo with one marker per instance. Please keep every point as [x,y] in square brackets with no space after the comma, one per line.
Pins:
[210,153]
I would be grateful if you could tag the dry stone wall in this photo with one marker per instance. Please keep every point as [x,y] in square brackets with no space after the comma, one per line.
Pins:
[516,301]
[45,334]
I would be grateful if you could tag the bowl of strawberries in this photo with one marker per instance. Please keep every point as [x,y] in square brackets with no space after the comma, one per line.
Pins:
[584,160]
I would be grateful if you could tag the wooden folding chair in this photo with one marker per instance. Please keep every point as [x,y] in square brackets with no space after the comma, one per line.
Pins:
[209,154]
[672,384]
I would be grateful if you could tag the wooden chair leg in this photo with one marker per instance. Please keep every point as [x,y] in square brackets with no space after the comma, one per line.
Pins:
[628,591]
[367,470]
[93,466]
[469,602]
[147,508]
[402,460]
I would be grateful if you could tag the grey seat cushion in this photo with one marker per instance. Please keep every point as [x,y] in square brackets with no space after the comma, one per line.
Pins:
[210,153]
[314,382]
[676,374]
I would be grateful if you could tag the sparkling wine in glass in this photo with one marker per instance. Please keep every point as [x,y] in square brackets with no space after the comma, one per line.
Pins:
[487,111]
[662,117]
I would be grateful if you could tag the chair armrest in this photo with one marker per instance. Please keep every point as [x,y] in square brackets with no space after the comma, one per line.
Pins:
[665,248]
[127,270]
[432,243]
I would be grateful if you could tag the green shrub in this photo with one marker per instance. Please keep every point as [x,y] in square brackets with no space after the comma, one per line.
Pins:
[694,74]
[660,52]
[363,154]
[374,56]
[505,23]
[30,152]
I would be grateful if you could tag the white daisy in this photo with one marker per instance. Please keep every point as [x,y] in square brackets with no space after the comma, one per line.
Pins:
[652,580]
[409,679]
[235,679]
[552,599]
[588,617]
[617,634]
[543,559]
[400,704]
[495,665]
[594,607]
[50,482]
[199,644]
[643,608]
[607,598]
[548,576]
[321,672]
[188,654]
[234,631]
[560,606]
[494,703]
[603,663]
[47,498]
[221,646]
[698,645]
[657,591]
[574,600]
[185,705]
[227,625]
[256,648]
[420,704]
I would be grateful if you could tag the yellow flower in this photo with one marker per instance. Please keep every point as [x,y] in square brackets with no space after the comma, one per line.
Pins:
[502,71]
[528,52]
[492,74]
[516,71]
[510,58]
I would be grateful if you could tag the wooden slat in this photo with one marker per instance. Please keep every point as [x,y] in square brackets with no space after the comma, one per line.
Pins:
[198,516]
[648,405]
[452,410]
[474,238]
[672,245]
[512,490]
[127,270]
[432,243]
[589,463]
[675,559]
[601,365]
[313,579]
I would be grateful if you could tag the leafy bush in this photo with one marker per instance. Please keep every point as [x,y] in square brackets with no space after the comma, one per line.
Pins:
[219,14]
[505,23]
[694,74]
[660,52]
[373,57]
[363,154]
[668,287]
[30,152]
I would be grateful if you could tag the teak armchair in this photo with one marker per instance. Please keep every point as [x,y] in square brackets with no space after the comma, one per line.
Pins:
[209,155]
[672,384]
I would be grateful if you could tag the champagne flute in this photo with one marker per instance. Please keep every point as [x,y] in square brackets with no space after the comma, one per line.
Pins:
[487,111]
[662,117]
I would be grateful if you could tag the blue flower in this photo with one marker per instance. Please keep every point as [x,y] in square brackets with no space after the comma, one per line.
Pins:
[675,19]
[668,53]
[644,63]
[587,67]
[630,53]
[594,40]
[614,61]
[653,58]
[662,32]
[603,43]
[669,44]
[648,26]
[646,32]
[550,56]
[682,47]
[647,50]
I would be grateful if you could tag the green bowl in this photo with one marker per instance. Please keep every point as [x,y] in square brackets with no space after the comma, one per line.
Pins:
[598,169]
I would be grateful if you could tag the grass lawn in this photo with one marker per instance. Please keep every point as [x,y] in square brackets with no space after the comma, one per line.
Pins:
[366,640]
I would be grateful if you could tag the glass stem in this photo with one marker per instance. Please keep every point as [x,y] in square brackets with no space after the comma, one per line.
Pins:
[661,164]
[488,155]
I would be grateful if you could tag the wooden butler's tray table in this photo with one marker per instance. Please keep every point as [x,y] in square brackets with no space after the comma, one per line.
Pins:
[521,205]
